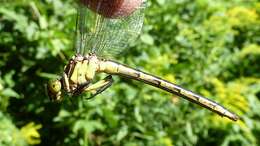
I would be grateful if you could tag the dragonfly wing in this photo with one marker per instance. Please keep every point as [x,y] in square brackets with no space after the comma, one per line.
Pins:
[87,26]
[106,37]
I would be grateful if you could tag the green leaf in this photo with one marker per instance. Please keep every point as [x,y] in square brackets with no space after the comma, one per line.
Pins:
[122,133]
[9,93]
[147,39]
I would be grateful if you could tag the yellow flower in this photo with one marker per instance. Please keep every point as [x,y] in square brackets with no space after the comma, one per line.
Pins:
[164,141]
[241,16]
[253,49]
[30,133]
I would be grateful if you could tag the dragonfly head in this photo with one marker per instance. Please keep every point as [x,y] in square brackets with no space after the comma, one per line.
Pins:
[54,90]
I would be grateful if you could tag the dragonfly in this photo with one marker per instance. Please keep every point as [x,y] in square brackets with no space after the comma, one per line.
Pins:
[98,40]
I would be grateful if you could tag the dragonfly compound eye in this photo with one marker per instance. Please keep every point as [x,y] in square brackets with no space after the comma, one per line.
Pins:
[54,90]
[54,86]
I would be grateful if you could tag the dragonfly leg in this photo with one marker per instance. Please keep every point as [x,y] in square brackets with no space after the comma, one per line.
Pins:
[99,86]
[65,81]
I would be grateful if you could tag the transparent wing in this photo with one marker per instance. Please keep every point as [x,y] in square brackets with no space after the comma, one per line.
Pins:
[106,37]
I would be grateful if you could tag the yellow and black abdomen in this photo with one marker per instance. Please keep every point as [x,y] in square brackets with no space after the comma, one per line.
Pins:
[111,67]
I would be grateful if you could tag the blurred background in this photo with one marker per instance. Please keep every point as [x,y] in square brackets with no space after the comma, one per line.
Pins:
[210,47]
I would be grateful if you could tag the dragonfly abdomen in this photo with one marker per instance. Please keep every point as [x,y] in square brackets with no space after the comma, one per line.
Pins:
[111,67]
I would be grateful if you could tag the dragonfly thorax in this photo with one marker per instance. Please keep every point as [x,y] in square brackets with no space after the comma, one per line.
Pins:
[78,74]
[80,71]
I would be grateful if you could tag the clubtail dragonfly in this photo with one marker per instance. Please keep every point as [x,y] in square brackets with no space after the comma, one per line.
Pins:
[99,38]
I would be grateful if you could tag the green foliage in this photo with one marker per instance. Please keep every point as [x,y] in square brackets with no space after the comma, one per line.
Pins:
[211,47]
